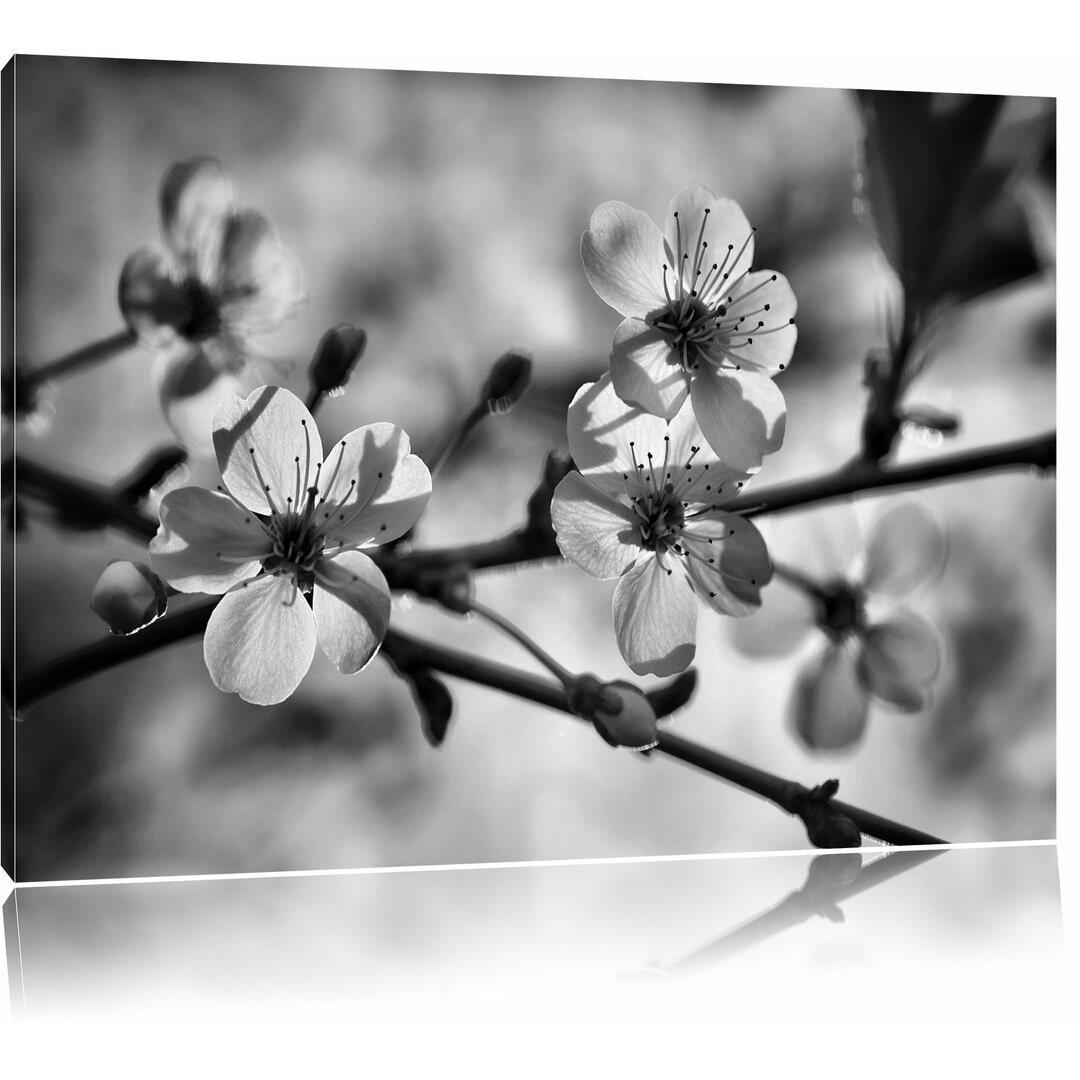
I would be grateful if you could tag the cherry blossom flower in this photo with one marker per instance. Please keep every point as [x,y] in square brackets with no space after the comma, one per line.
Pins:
[646,507]
[697,320]
[289,523]
[221,279]
[875,648]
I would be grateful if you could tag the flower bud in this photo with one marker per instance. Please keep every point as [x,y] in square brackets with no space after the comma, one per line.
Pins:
[336,356]
[128,596]
[538,527]
[826,826]
[507,381]
[620,712]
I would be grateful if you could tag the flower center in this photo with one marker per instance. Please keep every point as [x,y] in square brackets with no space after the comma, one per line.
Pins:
[662,518]
[202,318]
[840,608]
[655,499]
[708,317]
[298,546]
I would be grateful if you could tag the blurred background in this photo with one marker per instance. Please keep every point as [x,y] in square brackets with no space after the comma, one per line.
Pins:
[443,214]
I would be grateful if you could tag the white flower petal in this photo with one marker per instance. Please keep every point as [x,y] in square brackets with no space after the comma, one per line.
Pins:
[760,310]
[352,609]
[742,415]
[375,488]
[829,704]
[260,640]
[600,427]
[205,542]
[645,372]
[593,530]
[655,619]
[899,659]
[905,549]
[151,300]
[268,449]
[259,283]
[727,232]
[623,255]
[196,200]
[728,562]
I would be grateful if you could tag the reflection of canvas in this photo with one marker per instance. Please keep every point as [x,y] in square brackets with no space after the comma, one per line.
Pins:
[892,641]
[712,928]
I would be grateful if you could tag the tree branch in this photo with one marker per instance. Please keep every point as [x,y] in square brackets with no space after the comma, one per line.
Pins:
[89,354]
[1039,453]
[408,653]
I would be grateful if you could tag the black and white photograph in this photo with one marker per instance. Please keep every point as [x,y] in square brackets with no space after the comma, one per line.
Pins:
[482,532]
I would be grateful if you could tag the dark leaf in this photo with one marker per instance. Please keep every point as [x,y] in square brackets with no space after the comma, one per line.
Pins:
[673,695]
[919,154]
[435,704]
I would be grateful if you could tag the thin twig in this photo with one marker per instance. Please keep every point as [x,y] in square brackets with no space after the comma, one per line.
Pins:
[83,501]
[93,353]
[410,653]
[1038,453]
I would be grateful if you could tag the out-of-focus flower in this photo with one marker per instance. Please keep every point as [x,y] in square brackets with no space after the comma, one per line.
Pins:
[286,524]
[875,649]
[697,320]
[646,507]
[128,596]
[222,279]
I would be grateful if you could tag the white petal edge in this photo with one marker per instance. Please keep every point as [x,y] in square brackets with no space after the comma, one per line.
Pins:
[623,255]
[655,617]
[351,604]
[642,371]
[268,449]
[594,531]
[375,488]
[205,542]
[742,415]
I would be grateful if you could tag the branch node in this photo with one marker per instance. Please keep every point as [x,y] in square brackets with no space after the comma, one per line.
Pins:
[826,827]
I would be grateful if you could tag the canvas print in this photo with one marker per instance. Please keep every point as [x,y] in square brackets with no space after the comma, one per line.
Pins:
[413,468]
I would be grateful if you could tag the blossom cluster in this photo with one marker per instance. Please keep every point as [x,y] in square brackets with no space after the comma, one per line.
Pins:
[661,444]
[679,424]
